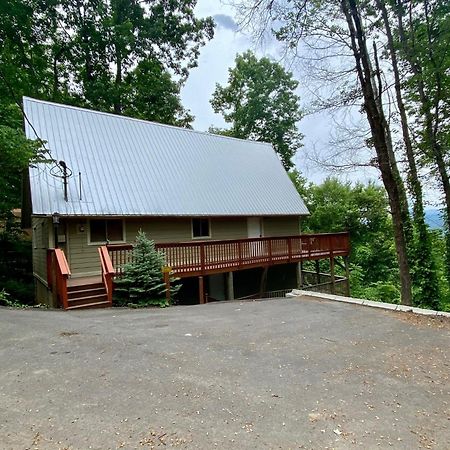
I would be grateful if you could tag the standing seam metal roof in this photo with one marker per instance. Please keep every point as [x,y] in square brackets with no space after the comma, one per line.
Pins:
[131,167]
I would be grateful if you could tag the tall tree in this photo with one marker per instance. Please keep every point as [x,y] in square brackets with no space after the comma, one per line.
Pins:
[382,139]
[151,94]
[15,154]
[424,270]
[87,52]
[260,103]
[423,30]
[112,38]
[342,26]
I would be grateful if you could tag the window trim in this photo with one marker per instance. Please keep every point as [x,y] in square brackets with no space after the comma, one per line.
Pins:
[197,238]
[124,234]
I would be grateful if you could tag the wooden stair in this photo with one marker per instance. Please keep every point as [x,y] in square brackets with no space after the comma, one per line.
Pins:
[87,295]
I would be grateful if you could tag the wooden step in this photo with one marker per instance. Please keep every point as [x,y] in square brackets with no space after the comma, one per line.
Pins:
[88,291]
[87,300]
[90,305]
[82,287]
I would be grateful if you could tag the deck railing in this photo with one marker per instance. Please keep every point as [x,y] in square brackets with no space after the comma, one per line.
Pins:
[107,271]
[206,257]
[58,272]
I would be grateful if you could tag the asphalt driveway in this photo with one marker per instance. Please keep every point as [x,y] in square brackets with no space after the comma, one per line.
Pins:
[286,373]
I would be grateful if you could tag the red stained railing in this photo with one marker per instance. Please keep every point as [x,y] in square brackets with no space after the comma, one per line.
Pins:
[108,271]
[205,257]
[57,274]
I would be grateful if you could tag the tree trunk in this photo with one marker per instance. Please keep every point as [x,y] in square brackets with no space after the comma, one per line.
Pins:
[379,129]
[118,84]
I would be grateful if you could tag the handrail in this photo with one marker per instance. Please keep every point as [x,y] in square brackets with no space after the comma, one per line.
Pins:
[201,257]
[63,265]
[60,267]
[107,271]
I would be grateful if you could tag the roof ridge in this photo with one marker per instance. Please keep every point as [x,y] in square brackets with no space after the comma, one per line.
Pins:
[94,111]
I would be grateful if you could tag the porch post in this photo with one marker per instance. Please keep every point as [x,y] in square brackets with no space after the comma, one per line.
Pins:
[166,276]
[263,283]
[333,283]
[230,286]
[317,271]
[300,275]
[201,290]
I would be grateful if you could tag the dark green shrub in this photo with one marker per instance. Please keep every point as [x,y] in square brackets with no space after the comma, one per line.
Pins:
[142,283]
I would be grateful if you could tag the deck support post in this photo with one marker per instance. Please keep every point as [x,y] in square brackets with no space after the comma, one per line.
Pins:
[333,281]
[201,290]
[229,292]
[300,275]
[230,286]
[263,283]
[166,275]
[317,271]
[347,275]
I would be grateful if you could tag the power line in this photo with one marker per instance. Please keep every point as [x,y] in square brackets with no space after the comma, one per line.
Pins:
[62,167]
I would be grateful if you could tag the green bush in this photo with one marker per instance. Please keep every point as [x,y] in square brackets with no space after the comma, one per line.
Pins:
[21,291]
[5,300]
[142,283]
[16,272]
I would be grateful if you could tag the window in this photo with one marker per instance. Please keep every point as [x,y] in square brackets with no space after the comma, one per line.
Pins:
[200,228]
[110,230]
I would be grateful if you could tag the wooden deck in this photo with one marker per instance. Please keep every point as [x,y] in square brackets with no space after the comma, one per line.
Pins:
[189,259]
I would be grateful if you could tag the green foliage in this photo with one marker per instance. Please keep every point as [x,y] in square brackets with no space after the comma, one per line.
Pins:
[426,284]
[16,274]
[142,282]
[438,244]
[362,210]
[260,103]
[5,299]
[16,152]
[115,55]
[161,103]
[422,32]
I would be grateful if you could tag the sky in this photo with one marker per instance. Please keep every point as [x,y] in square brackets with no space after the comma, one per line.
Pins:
[218,55]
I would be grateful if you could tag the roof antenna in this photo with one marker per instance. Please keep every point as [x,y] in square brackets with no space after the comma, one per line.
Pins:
[57,169]
[64,177]
[79,180]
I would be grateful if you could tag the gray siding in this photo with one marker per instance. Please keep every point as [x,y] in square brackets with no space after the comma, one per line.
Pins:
[229,228]
[281,226]
[160,229]
[41,228]
[81,256]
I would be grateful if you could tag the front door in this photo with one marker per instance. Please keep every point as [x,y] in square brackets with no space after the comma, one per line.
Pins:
[254,230]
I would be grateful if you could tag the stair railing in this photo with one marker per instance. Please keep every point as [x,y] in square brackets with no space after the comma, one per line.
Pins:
[58,274]
[108,271]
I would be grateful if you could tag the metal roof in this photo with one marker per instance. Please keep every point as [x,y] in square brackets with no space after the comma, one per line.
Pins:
[134,167]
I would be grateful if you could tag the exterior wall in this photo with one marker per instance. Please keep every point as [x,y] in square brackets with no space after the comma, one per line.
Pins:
[83,257]
[41,228]
[281,226]
[229,228]
[160,229]
[180,230]
[43,296]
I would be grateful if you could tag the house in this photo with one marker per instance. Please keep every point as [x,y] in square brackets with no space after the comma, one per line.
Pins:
[223,209]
